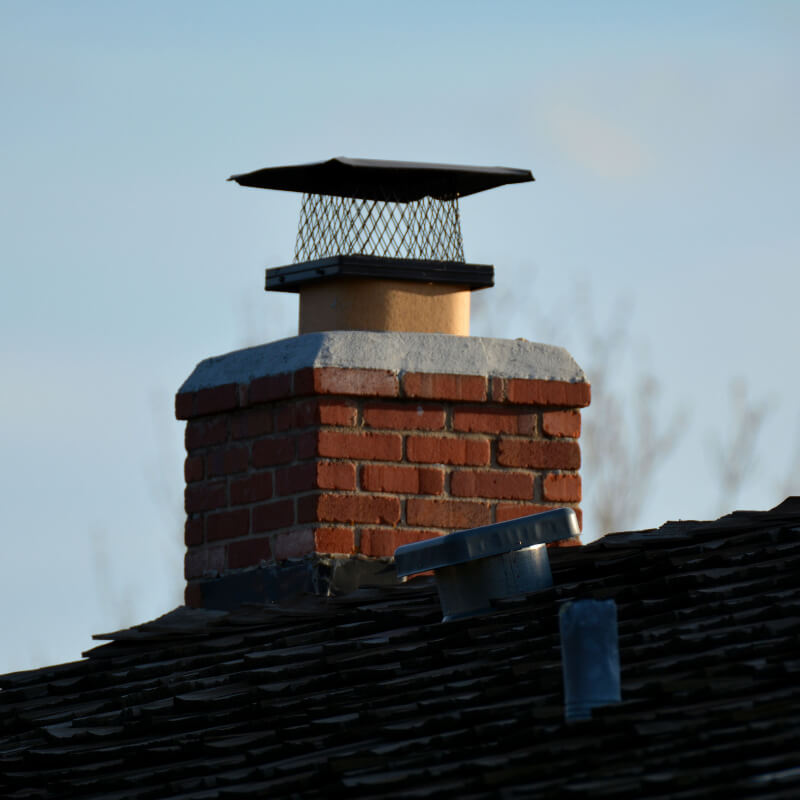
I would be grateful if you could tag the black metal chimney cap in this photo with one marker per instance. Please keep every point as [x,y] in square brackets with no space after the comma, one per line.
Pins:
[389,181]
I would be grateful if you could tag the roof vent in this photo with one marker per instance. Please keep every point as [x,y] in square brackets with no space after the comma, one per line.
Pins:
[393,223]
[474,567]
[590,656]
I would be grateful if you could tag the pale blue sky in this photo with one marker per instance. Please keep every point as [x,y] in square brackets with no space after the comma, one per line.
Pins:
[663,136]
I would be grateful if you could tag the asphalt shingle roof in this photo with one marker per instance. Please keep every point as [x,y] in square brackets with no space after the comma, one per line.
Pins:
[370,695]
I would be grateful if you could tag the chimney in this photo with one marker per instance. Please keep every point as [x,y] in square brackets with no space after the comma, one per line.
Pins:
[383,423]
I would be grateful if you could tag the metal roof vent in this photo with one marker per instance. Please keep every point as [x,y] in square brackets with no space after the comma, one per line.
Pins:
[474,567]
[390,221]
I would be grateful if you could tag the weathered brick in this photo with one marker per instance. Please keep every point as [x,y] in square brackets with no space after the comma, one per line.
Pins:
[450,514]
[365,446]
[252,488]
[251,422]
[206,432]
[562,423]
[497,389]
[374,510]
[293,544]
[452,450]
[308,412]
[437,386]
[248,552]
[539,454]
[273,515]
[272,451]
[193,469]
[193,531]
[200,561]
[562,488]
[382,542]
[227,461]
[547,393]
[502,484]
[334,540]
[228,524]
[506,511]
[405,416]
[473,419]
[269,387]
[204,496]
[341,380]
[402,480]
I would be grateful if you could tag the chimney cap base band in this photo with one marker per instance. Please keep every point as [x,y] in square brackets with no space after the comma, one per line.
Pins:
[387,181]
[489,540]
[293,277]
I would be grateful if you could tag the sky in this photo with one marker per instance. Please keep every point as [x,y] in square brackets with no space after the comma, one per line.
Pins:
[665,141]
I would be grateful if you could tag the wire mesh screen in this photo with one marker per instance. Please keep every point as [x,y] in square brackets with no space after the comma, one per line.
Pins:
[426,229]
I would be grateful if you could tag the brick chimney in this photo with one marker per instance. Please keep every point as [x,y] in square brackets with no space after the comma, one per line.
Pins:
[311,459]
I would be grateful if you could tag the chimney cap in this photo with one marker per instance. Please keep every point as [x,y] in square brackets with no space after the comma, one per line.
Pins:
[487,541]
[387,181]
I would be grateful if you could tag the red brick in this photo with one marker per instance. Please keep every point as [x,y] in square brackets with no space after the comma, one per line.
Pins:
[573,541]
[309,412]
[378,510]
[538,454]
[336,475]
[497,390]
[436,386]
[293,544]
[206,432]
[562,488]
[562,423]
[548,393]
[294,479]
[228,524]
[323,475]
[340,380]
[343,413]
[216,399]
[201,560]
[193,469]
[382,542]
[248,552]
[274,515]
[405,416]
[402,480]
[193,531]
[193,595]
[334,540]
[269,387]
[227,461]
[367,446]
[502,484]
[204,496]
[184,405]
[252,488]
[450,514]
[307,445]
[472,419]
[506,511]
[273,450]
[441,450]
[252,422]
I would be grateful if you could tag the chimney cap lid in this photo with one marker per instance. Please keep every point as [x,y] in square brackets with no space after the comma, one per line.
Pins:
[388,181]
[486,541]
